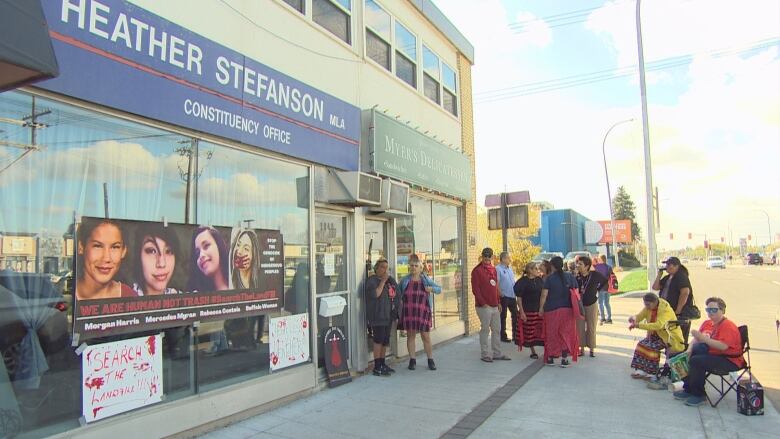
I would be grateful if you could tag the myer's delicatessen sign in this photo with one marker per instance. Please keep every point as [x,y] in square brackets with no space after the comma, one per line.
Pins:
[401,152]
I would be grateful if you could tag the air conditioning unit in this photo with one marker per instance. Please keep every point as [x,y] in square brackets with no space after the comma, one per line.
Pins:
[395,199]
[358,189]
[395,196]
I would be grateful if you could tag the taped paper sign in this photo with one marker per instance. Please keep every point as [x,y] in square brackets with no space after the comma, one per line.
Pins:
[289,341]
[121,376]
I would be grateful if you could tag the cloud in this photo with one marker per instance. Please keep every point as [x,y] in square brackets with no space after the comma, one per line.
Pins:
[533,31]
[672,28]
[126,164]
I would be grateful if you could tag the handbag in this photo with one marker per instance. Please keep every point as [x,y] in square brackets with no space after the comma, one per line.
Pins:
[574,292]
[679,366]
[691,312]
[612,283]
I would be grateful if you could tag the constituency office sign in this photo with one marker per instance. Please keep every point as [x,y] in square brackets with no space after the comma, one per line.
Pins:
[117,54]
[401,152]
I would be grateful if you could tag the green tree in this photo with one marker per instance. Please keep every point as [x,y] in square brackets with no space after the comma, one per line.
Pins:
[625,209]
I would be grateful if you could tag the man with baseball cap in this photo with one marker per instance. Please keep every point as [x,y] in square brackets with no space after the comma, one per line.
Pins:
[676,289]
[484,286]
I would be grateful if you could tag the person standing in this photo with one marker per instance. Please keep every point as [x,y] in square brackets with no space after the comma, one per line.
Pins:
[590,282]
[506,283]
[529,289]
[380,312]
[676,289]
[415,291]
[484,286]
[605,309]
[560,336]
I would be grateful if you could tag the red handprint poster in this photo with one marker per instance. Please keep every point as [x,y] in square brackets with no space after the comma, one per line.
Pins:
[121,376]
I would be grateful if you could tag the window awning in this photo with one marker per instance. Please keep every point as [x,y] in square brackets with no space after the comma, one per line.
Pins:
[26,52]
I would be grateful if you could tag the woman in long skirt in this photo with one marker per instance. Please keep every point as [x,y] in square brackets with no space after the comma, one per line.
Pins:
[530,323]
[560,335]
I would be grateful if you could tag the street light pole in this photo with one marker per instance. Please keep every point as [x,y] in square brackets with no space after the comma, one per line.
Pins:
[609,192]
[768,224]
[652,257]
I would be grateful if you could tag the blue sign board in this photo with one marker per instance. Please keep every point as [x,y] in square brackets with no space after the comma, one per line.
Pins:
[116,54]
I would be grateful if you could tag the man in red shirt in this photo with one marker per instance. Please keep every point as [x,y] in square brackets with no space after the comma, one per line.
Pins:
[484,285]
[717,347]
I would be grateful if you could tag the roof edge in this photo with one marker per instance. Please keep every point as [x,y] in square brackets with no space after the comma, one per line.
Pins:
[445,26]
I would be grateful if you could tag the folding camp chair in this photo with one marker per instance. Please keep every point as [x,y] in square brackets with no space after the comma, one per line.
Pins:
[726,386]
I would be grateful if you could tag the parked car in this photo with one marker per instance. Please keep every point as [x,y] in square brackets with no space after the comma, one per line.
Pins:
[716,262]
[546,256]
[572,256]
[754,259]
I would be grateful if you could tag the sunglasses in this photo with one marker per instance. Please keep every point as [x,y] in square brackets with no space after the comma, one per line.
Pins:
[712,310]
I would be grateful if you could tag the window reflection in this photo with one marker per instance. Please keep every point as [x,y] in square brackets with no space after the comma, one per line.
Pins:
[433,234]
[68,162]
[64,162]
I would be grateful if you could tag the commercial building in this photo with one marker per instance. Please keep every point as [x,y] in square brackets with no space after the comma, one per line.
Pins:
[342,128]
[563,230]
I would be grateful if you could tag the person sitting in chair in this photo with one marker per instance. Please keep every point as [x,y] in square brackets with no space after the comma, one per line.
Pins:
[654,318]
[717,347]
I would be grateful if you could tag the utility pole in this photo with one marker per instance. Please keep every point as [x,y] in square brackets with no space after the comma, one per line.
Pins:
[191,174]
[652,256]
[31,122]
[504,223]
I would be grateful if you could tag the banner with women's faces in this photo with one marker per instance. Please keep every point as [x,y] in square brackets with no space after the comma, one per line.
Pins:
[136,276]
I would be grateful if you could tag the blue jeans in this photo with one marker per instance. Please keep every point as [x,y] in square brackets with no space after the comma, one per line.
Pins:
[604,303]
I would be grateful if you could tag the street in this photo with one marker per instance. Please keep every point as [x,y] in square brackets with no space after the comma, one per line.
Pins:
[752,295]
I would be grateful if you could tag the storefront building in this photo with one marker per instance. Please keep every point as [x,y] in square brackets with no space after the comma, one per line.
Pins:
[330,133]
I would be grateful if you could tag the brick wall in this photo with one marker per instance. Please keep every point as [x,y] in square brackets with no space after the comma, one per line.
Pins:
[467,127]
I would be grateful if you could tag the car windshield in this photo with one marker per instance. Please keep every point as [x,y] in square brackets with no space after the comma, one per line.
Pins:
[715,258]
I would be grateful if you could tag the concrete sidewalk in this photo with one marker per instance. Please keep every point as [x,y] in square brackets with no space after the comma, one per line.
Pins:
[466,397]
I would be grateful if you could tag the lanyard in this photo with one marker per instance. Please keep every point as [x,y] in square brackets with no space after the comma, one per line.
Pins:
[584,288]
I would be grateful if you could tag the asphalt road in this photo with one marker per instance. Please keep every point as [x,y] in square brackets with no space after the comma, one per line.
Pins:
[752,295]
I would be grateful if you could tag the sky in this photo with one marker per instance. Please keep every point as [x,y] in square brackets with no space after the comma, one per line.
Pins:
[551,77]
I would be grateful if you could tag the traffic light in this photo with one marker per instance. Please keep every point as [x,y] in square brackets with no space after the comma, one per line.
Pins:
[722,239]
[690,235]
[671,236]
[706,244]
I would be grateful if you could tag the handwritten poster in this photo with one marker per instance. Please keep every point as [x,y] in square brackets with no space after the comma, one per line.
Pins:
[121,376]
[289,341]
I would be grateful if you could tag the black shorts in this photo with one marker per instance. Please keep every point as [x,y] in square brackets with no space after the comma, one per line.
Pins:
[381,335]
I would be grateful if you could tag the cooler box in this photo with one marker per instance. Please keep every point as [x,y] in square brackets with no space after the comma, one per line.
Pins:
[750,398]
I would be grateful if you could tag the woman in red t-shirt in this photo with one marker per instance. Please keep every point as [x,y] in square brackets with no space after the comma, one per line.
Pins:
[717,347]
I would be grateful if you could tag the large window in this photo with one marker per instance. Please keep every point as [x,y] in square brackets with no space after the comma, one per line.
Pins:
[378,25]
[68,162]
[431,75]
[433,233]
[298,5]
[405,55]
[334,15]
[235,187]
[449,79]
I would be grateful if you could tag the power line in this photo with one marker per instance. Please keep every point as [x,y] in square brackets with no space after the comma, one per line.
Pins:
[558,20]
[605,75]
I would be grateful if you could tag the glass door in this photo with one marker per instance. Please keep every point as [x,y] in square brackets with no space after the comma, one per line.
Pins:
[331,271]
[375,247]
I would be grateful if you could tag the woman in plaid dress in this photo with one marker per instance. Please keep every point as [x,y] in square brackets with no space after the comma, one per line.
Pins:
[416,310]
